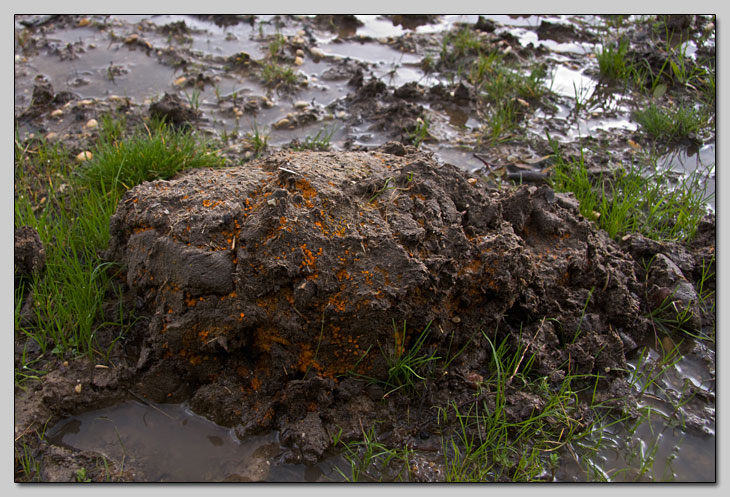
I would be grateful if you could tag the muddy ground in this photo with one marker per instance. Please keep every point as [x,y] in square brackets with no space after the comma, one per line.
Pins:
[272,292]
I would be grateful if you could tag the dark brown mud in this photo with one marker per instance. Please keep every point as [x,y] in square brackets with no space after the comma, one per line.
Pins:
[272,289]
[272,295]
[28,253]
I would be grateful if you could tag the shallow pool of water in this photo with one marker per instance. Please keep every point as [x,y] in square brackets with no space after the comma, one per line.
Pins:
[170,443]
[674,439]
[695,164]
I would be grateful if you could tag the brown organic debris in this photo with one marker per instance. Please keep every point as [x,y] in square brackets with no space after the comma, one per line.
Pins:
[295,267]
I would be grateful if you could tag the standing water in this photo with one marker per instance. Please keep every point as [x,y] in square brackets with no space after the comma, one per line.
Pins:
[168,442]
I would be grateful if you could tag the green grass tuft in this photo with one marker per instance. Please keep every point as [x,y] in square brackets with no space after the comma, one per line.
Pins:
[672,123]
[156,153]
[278,75]
[258,140]
[461,43]
[420,133]
[321,141]
[613,62]
[655,205]
[372,461]
[505,95]
[406,365]
[277,45]
[70,207]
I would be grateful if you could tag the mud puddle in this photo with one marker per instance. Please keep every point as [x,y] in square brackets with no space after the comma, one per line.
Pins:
[191,55]
[139,58]
[699,162]
[170,443]
[672,444]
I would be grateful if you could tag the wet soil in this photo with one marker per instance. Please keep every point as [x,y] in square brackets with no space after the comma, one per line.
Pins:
[301,262]
[269,289]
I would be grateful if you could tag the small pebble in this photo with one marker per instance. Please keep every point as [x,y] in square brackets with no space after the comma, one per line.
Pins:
[92,124]
[131,38]
[84,156]
[77,388]
[57,113]
[316,52]
[179,81]
[51,136]
[301,104]
[298,61]
[341,114]
[473,379]
[300,52]
[281,123]
[667,344]
[84,22]
[86,101]
[472,181]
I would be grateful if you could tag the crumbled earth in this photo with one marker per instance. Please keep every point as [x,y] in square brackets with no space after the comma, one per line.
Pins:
[29,255]
[266,284]
[172,109]
[269,291]
[303,261]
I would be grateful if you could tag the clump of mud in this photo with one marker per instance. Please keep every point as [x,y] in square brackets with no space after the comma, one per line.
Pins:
[29,254]
[270,286]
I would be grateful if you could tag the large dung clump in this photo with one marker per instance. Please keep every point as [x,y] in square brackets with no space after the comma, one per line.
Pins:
[278,278]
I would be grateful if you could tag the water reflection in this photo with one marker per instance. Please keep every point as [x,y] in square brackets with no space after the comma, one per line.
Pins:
[165,442]
[168,442]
